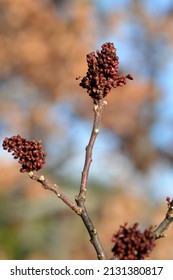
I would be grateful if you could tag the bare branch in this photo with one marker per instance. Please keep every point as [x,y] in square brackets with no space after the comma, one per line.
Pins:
[78,209]
[94,239]
[159,232]
[56,189]
[80,199]
[79,206]
[88,155]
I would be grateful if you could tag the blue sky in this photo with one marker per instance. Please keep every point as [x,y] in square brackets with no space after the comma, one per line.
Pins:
[156,7]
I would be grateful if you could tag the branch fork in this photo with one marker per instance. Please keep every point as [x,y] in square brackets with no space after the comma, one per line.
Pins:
[79,205]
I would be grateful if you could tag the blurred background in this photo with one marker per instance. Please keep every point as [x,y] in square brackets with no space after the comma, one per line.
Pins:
[43,47]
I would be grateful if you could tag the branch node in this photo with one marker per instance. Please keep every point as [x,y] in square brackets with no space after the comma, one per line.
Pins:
[95,107]
[41,178]
[96,130]
[80,211]
[161,235]
[31,174]
[94,231]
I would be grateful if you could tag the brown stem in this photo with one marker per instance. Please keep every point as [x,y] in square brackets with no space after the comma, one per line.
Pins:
[163,226]
[80,199]
[88,155]
[94,239]
[56,189]
[79,207]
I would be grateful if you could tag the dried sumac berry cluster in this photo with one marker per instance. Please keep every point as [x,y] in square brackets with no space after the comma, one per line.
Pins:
[132,244]
[102,74]
[29,152]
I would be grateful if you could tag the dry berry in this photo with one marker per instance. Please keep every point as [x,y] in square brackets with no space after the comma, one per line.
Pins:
[102,74]
[132,244]
[29,152]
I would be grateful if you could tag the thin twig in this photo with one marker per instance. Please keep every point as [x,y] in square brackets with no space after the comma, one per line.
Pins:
[94,238]
[88,155]
[80,199]
[78,209]
[79,206]
[56,189]
[159,232]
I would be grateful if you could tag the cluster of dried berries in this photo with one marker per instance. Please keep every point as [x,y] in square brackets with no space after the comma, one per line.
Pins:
[132,244]
[29,152]
[102,74]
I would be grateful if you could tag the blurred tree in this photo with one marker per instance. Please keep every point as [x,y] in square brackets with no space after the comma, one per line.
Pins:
[43,48]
